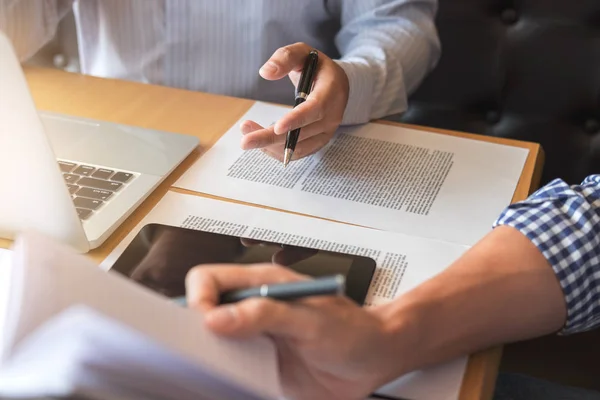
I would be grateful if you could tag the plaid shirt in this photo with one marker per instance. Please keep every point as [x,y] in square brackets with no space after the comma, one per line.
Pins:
[564,223]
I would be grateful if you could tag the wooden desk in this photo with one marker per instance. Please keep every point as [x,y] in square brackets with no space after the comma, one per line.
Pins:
[208,117]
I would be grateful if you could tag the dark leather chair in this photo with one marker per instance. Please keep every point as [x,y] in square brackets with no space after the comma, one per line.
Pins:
[530,70]
[522,69]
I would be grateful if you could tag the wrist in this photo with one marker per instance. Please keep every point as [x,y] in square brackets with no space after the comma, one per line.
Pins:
[344,83]
[360,91]
[400,340]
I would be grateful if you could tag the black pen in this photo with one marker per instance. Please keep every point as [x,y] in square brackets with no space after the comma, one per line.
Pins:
[324,286]
[302,91]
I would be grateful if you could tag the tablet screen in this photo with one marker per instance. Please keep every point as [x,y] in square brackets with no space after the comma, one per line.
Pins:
[160,256]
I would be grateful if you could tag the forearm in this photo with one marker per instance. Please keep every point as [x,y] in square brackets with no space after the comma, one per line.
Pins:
[29,24]
[536,273]
[501,290]
[386,53]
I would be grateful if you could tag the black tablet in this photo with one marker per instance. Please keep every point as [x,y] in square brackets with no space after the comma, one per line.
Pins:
[160,256]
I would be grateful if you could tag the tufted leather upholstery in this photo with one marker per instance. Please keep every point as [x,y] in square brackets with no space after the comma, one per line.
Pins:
[523,69]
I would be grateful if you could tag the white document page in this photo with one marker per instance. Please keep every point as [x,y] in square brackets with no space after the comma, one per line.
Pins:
[83,352]
[402,261]
[5,256]
[375,175]
[48,279]
[5,283]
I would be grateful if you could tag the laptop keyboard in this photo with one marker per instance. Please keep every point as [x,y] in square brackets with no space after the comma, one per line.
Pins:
[91,187]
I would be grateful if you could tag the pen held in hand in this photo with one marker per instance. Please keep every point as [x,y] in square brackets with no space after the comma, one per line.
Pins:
[332,285]
[302,91]
[324,286]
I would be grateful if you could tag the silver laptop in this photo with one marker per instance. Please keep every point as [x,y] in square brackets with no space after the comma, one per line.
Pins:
[71,178]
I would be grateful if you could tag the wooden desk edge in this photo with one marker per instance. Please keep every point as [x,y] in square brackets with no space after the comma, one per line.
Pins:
[478,381]
[483,367]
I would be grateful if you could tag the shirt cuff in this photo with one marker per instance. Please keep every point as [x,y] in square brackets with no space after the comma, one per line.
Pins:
[360,97]
[563,223]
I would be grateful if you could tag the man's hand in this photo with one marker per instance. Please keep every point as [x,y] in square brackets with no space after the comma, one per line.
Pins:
[319,116]
[328,347]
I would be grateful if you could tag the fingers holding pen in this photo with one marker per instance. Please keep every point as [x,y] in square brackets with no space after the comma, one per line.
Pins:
[305,114]
[325,88]
[304,148]
[257,137]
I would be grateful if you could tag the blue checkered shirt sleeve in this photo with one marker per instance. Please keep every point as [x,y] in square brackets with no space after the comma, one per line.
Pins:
[564,223]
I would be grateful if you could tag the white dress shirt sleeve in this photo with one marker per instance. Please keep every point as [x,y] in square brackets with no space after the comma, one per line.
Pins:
[30,24]
[387,48]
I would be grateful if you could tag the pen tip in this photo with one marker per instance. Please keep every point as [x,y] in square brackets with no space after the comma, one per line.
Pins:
[287,156]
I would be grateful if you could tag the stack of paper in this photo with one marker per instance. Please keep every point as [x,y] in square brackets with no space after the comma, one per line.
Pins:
[72,329]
